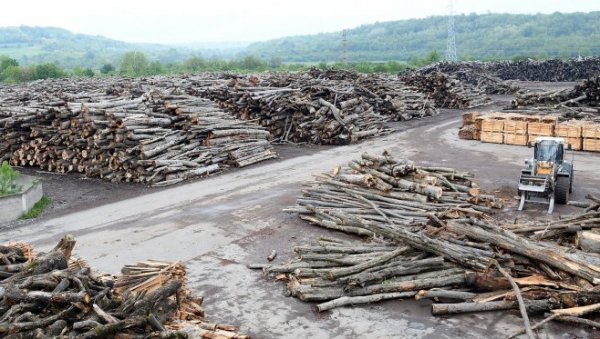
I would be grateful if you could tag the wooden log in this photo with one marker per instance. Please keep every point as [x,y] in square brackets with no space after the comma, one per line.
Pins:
[532,307]
[343,301]
[588,241]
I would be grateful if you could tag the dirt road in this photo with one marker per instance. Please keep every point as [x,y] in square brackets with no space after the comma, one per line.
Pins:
[220,224]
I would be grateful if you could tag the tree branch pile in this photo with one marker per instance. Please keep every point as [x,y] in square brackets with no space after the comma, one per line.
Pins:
[528,70]
[143,131]
[580,102]
[53,295]
[320,107]
[432,237]
[447,91]
[474,74]
[546,70]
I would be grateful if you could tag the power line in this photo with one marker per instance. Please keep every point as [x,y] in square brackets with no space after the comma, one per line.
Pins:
[451,42]
[344,48]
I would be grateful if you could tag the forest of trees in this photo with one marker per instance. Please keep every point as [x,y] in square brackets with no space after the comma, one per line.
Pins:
[29,53]
[481,37]
[136,63]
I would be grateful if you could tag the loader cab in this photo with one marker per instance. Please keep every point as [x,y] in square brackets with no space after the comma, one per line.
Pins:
[548,153]
[549,150]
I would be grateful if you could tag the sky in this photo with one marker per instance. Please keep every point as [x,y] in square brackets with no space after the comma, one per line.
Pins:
[186,21]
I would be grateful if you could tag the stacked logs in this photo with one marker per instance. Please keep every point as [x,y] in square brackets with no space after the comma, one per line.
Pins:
[528,70]
[141,132]
[321,107]
[386,93]
[546,70]
[474,74]
[54,295]
[446,91]
[432,238]
[394,98]
[317,115]
[580,102]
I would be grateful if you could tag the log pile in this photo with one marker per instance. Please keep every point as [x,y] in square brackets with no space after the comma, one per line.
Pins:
[148,132]
[580,102]
[474,74]
[546,70]
[394,98]
[54,295]
[317,115]
[527,70]
[446,91]
[320,107]
[432,237]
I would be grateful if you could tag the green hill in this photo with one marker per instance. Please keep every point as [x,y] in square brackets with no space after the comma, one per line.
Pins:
[34,45]
[488,36]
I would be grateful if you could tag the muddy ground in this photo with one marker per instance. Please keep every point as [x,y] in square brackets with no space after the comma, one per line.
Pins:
[220,224]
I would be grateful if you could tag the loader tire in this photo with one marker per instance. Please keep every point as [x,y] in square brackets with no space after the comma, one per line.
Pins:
[571,182]
[561,190]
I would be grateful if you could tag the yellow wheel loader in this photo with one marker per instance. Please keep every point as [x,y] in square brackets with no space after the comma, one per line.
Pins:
[548,178]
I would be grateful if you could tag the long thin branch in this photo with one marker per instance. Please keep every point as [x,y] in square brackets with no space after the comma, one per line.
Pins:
[535,326]
[522,308]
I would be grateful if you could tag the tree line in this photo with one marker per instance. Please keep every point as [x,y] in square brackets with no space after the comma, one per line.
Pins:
[136,64]
[478,37]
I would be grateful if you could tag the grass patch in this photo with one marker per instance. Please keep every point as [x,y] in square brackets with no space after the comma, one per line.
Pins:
[37,208]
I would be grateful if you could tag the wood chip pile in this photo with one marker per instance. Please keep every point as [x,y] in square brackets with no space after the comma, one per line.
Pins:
[143,130]
[321,107]
[432,237]
[53,295]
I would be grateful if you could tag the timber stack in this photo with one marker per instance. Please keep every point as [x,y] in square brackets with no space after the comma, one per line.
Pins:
[312,114]
[431,236]
[321,107]
[581,102]
[474,74]
[136,132]
[446,91]
[525,70]
[55,295]
[546,70]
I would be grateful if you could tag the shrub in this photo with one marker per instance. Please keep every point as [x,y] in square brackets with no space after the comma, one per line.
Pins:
[8,179]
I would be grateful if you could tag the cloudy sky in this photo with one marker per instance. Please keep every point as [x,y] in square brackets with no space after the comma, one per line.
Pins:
[180,21]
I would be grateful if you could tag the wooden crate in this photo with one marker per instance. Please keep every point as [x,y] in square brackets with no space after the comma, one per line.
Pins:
[515,127]
[574,141]
[591,145]
[569,130]
[469,118]
[539,118]
[549,120]
[591,130]
[540,128]
[492,125]
[515,139]
[479,122]
[492,137]
[466,132]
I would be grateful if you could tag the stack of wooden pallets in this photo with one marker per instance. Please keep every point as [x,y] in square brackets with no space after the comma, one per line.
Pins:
[518,129]
[591,137]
